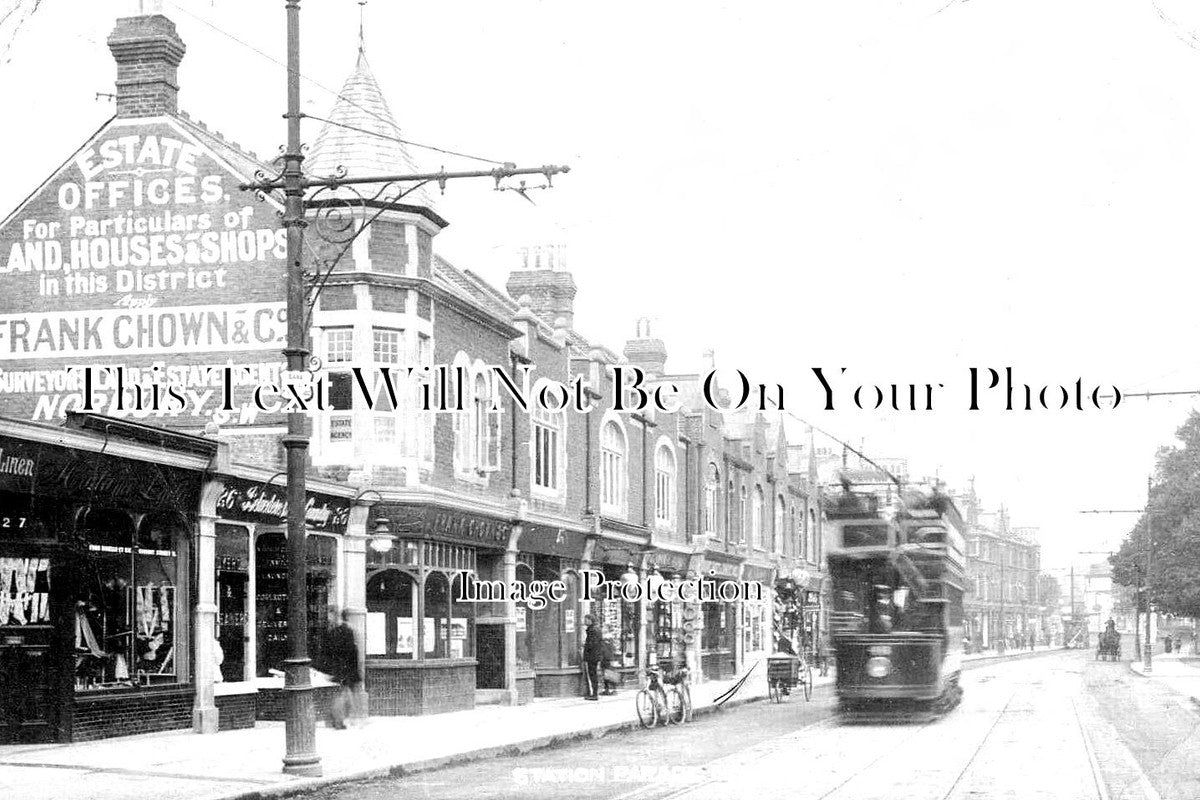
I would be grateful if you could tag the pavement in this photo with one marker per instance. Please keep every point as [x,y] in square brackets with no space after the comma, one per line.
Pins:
[1178,671]
[247,764]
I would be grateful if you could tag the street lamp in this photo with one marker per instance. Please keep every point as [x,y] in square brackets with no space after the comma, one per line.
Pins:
[301,757]
[381,531]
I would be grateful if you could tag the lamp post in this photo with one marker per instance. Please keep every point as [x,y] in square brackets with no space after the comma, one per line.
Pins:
[301,757]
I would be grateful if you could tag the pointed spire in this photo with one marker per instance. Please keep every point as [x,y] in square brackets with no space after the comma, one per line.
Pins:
[362,11]
[362,134]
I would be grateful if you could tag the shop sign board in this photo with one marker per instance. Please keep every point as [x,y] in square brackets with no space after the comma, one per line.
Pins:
[246,501]
[141,252]
[719,568]
[551,541]
[670,561]
[764,575]
[35,467]
[451,525]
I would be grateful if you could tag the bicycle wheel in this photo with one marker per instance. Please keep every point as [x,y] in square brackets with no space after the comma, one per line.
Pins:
[647,709]
[808,683]
[674,705]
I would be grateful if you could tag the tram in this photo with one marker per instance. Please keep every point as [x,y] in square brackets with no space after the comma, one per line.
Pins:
[898,577]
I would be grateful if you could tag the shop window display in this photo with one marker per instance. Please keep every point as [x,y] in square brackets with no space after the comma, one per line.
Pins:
[233,579]
[395,592]
[391,603]
[25,592]
[271,595]
[127,625]
[524,645]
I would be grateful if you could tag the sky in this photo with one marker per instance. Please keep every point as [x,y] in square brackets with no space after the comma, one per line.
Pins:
[902,188]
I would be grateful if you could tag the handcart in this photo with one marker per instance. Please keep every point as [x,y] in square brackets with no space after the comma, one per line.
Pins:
[784,673]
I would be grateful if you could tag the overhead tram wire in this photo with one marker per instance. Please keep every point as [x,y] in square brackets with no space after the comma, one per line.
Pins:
[899,483]
[401,141]
[326,89]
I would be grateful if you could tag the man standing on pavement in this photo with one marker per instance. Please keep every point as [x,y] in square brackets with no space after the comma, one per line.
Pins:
[339,660]
[593,656]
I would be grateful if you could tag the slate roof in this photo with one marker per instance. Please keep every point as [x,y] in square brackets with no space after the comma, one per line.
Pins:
[364,140]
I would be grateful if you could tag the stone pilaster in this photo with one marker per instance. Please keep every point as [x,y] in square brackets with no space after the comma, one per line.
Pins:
[204,621]
[354,560]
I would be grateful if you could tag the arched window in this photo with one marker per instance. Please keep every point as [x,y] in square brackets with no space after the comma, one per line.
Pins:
[391,604]
[437,614]
[711,484]
[814,553]
[476,429]
[743,522]
[756,518]
[664,485]
[793,534]
[779,532]
[612,468]
[547,448]
[730,523]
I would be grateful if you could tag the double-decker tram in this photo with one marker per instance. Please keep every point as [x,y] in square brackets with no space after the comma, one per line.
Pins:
[897,623]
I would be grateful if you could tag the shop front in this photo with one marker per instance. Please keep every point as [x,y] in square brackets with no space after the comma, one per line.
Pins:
[719,631]
[549,640]
[250,568]
[426,649]
[95,558]
[621,560]
[670,626]
[757,612]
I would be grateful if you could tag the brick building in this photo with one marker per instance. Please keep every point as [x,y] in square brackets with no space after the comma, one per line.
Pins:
[1002,605]
[141,252]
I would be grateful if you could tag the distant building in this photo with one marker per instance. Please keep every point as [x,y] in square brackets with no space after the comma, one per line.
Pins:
[1002,607]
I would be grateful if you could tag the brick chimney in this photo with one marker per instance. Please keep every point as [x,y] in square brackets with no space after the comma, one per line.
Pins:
[550,288]
[147,51]
[646,352]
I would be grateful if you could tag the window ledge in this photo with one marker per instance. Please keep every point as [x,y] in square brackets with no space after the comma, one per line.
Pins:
[472,477]
[549,495]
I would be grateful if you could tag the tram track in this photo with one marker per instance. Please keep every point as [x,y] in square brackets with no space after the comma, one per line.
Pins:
[865,778]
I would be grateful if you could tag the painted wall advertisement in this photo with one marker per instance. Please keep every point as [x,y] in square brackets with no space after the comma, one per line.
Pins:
[141,253]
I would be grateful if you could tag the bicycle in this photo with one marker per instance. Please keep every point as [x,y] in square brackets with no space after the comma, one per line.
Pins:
[664,699]
[681,687]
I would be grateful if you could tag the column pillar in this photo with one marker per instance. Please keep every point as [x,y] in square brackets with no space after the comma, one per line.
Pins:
[510,618]
[643,610]
[204,622]
[354,561]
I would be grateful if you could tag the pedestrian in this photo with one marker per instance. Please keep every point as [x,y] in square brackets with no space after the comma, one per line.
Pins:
[593,656]
[339,660]
[610,678]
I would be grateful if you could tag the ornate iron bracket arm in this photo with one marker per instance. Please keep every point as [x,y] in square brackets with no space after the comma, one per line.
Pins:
[342,208]
[340,219]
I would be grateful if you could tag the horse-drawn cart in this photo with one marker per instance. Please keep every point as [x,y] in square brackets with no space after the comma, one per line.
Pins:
[785,672]
[1109,648]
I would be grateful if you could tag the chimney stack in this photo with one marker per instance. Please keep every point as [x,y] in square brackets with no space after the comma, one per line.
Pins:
[147,51]
[648,353]
[551,290]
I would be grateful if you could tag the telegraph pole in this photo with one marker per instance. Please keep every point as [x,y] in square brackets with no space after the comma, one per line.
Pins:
[1148,642]
[301,757]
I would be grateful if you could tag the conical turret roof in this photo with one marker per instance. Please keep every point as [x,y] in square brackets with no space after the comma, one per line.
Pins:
[362,135]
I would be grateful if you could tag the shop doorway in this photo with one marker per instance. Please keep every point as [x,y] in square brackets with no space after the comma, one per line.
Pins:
[29,707]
